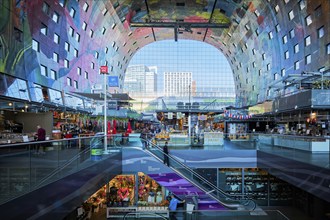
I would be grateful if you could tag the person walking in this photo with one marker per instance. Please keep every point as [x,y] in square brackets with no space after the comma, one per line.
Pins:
[40,136]
[165,151]
[173,206]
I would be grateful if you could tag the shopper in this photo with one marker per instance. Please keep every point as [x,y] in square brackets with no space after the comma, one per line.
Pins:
[40,136]
[173,206]
[165,151]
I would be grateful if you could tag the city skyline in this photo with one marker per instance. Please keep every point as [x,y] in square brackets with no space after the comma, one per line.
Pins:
[211,71]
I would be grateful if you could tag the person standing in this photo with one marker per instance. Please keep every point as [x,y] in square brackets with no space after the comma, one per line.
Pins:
[173,206]
[165,151]
[40,136]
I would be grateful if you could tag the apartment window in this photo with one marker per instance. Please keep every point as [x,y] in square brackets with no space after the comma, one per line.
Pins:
[62,2]
[291,15]
[75,84]
[71,31]
[257,31]
[53,74]
[77,37]
[286,55]
[257,13]
[296,48]
[113,44]
[308,20]
[84,26]
[247,27]
[67,46]
[117,48]
[254,64]
[79,71]
[286,1]
[268,66]
[85,7]
[45,8]
[263,56]
[86,75]
[43,70]
[35,45]
[307,41]
[292,33]
[113,26]
[68,81]
[302,4]
[308,59]
[285,39]
[278,28]
[296,65]
[103,30]
[254,51]
[56,17]
[328,48]
[72,12]
[320,32]
[104,11]
[270,35]
[253,88]
[66,63]
[92,65]
[106,49]
[75,52]
[91,33]
[247,69]
[56,38]
[259,72]
[44,29]
[247,81]
[246,45]
[96,54]
[275,76]
[55,57]
[277,9]
[282,72]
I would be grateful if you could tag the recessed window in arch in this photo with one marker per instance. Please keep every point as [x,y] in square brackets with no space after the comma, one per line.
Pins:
[186,71]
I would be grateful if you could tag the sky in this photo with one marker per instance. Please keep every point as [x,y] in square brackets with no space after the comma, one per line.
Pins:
[209,67]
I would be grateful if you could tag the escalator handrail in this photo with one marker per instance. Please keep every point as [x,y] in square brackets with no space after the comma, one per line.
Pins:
[248,200]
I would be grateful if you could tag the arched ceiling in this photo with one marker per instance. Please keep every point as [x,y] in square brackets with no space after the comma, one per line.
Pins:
[265,41]
[250,34]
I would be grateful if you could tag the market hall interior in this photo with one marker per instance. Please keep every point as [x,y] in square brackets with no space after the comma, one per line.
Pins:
[61,60]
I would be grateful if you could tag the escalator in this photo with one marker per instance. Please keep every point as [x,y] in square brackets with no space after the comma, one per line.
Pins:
[206,188]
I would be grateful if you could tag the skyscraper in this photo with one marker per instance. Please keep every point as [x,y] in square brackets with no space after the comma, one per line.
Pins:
[177,84]
[140,79]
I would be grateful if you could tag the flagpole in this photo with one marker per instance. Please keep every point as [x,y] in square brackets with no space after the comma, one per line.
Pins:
[104,71]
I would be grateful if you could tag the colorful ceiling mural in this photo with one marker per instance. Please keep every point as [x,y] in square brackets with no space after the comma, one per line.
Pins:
[61,44]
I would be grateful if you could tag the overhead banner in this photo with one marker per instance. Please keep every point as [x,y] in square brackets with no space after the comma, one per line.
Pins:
[113,81]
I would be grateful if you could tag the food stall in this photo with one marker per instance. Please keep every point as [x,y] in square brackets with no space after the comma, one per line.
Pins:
[135,193]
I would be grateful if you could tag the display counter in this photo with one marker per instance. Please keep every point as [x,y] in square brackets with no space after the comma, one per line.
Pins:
[316,144]
[137,212]
[300,143]
[213,138]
